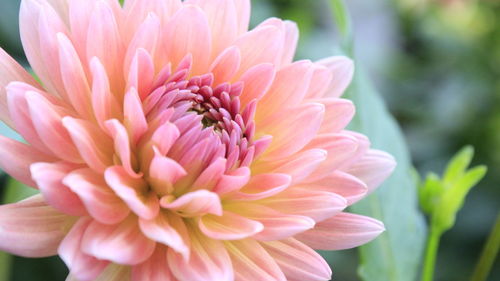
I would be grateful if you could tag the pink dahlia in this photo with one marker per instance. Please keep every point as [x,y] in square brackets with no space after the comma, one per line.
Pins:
[168,142]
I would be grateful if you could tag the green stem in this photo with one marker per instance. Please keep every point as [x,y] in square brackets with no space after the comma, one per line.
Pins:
[489,253]
[431,254]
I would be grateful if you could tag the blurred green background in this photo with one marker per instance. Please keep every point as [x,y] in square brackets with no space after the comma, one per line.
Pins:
[437,64]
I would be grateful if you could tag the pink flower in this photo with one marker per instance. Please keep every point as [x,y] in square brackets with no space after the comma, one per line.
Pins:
[170,143]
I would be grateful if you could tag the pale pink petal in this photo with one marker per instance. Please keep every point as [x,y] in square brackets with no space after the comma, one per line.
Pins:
[168,229]
[137,10]
[299,124]
[115,272]
[320,82]
[256,82]
[243,14]
[105,42]
[48,177]
[140,75]
[165,136]
[225,65]
[134,120]
[81,265]
[343,70]
[17,157]
[291,40]
[297,261]
[196,203]
[73,77]
[189,27]
[31,228]
[268,50]
[47,120]
[164,172]
[251,262]
[211,175]
[146,38]
[342,231]
[122,146]
[156,268]
[208,260]
[232,181]
[338,114]
[295,92]
[223,21]
[123,243]
[93,145]
[104,103]
[344,184]
[277,225]
[133,191]
[262,186]
[10,71]
[101,202]
[229,226]
[373,168]
[318,205]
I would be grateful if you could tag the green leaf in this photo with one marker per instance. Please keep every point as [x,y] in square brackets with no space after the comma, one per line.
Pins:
[457,165]
[396,254]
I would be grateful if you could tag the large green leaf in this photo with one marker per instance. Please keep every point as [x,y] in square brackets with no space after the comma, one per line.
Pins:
[396,254]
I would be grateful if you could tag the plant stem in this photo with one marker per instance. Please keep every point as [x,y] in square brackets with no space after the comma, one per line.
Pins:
[488,254]
[430,254]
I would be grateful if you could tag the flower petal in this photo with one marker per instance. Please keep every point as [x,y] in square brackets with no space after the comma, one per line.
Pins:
[257,80]
[31,228]
[252,262]
[373,168]
[123,243]
[262,186]
[100,201]
[225,65]
[342,231]
[229,226]
[81,265]
[343,70]
[164,172]
[196,203]
[48,177]
[297,261]
[156,268]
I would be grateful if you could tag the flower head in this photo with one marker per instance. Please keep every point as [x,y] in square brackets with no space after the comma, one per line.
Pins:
[168,142]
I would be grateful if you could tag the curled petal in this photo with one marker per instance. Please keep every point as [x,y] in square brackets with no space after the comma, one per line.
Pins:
[229,226]
[123,243]
[196,203]
[342,231]
[373,168]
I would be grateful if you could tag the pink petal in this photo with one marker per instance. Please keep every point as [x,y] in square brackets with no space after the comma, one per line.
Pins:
[251,262]
[211,175]
[338,114]
[295,92]
[104,42]
[344,184]
[73,77]
[81,265]
[268,50]
[123,243]
[208,260]
[114,272]
[135,121]
[373,168]
[93,146]
[10,71]
[133,191]
[262,186]
[31,228]
[299,124]
[168,229]
[137,10]
[320,82]
[164,172]
[223,21]
[291,40]
[342,231]
[243,14]
[229,226]
[154,269]
[343,70]
[122,146]
[277,225]
[141,74]
[196,203]
[165,136]
[47,120]
[48,177]
[100,201]
[318,205]
[225,65]
[232,181]
[189,26]
[256,81]
[297,261]
[17,157]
